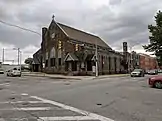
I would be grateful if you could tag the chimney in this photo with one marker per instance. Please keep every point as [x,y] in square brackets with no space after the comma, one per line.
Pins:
[44,30]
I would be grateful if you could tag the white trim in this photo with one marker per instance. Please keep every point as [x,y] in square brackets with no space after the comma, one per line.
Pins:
[93,58]
[86,113]
[62,29]
[67,57]
[67,118]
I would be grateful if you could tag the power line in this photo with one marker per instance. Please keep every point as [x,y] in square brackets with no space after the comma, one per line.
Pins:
[6,23]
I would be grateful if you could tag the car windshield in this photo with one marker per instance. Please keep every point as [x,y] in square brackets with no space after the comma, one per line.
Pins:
[137,70]
[152,70]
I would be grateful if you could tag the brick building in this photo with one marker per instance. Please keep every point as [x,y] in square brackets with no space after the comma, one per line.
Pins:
[147,62]
[66,50]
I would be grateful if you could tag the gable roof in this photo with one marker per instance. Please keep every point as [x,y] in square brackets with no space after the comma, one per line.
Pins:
[70,57]
[82,36]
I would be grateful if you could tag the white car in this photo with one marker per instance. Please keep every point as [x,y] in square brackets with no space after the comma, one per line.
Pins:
[14,72]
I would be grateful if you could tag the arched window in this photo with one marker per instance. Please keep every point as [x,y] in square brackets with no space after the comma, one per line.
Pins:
[52,57]
[53,53]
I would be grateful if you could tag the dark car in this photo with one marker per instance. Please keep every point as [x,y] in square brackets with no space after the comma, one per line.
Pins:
[138,73]
[155,81]
[152,72]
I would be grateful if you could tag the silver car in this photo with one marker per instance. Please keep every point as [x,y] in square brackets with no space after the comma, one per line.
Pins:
[14,72]
[138,73]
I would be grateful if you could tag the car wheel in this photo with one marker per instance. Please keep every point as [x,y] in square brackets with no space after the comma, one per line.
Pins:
[158,84]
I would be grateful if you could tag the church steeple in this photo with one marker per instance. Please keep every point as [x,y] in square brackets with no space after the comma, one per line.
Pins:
[53,18]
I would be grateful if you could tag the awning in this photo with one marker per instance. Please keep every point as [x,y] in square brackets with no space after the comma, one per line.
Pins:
[70,57]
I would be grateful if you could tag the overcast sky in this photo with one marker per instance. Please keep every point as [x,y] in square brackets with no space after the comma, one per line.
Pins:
[114,21]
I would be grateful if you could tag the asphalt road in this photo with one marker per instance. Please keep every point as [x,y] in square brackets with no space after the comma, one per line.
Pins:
[108,99]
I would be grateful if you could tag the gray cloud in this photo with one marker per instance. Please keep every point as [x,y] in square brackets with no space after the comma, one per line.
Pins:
[121,20]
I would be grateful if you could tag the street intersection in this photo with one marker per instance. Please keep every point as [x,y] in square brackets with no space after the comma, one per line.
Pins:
[107,99]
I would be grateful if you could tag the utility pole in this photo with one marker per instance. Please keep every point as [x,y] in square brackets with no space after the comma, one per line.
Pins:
[130,61]
[20,58]
[3,56]
[96,60]
[18,51]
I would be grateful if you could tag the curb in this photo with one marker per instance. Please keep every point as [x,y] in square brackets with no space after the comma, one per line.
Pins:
[52,77]
[93,78]
[111,76]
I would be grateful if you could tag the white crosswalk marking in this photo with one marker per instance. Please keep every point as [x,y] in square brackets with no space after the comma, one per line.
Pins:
[16,102]
[67,118]
[92,115]
[43,107]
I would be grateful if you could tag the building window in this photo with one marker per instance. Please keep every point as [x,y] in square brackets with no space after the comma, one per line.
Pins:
[52,61]
[46,64]
[59,61]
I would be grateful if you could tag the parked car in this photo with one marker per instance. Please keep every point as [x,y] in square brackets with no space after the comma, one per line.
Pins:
[152,72]
[14,72]
[155,81]
[159,71]
[146,71]
[1,71]
[138,73]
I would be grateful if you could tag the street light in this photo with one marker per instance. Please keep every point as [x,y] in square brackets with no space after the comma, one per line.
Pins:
[19,55]
[18,52]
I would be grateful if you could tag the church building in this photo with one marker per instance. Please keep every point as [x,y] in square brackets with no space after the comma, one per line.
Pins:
[66,50]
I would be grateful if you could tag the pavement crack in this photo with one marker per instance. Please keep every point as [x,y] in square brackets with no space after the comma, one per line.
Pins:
[107,105]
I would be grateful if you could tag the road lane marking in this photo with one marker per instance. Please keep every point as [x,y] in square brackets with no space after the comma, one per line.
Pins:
[67,118]
[33,102]
[24,94]
[5,84]
[86,113]
[29,109]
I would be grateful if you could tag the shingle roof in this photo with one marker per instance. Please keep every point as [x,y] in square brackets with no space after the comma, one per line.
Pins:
[82,36]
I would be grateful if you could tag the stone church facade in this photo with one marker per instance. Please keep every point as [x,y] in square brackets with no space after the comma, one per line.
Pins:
[66,50]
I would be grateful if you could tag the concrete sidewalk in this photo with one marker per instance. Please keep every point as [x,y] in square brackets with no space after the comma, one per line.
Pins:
[59,76]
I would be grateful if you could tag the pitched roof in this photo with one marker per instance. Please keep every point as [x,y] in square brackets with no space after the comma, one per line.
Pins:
[71,57]
[82,36]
